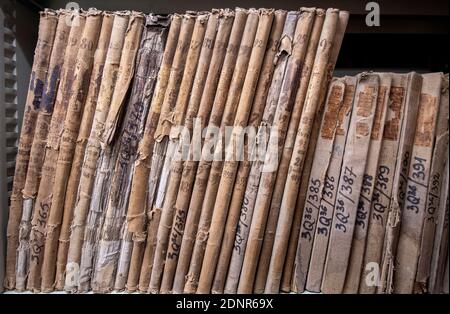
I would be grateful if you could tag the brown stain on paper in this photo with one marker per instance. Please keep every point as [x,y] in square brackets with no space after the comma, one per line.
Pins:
[392,126]
[329,123]
[425,121]
[345,109]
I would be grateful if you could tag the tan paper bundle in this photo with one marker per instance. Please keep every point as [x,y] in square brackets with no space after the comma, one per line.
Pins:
[237,239]
[214,165]
[328,197]
[272,219]
[322,157]
[130,134]
[197,108]
[223,54]
[137,205]
[350,183]
[439,158]
[109,153]
[439,276]
[172,114]
[385,176]
[16,269]
[80,146]
[144,159]
[399,185]
[413,210]
[285,106]
[284,167]
[75,106]
[88,170]
[301,197]
[220,105]
[259,115]
[233,152]
[44,196]
[254,40]
[148,65]
[44,118]
[109,234]
[46,34]
[176,141]
[37,149]
[288,269]
[312,100]
[363,213]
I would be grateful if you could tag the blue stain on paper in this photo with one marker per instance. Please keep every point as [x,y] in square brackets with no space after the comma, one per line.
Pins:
[48,99]
[38,89]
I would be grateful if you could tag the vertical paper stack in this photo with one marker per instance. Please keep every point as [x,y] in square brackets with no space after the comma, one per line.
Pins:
[213,152]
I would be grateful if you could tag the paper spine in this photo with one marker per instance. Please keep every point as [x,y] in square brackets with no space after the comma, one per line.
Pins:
[43,199]
[42,54]
[78,239]
[258,117]
[75,106]
[355,263]
[80,146]
[225,23]
[176,140]
[414,205]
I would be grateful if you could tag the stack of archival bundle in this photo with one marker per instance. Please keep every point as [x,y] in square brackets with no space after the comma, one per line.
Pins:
[213,152]
[374,209]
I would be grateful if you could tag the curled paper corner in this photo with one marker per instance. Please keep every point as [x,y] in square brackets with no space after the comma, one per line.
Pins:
[226,13]
[142,158]
[203,17]
[82,140]
[191,280]
[320,12]
[139,237]
[93,11]
[166,121]
[241,10]
[122,13]
[215,11]
[135,222]
[49,13]
[153,19]
[266,11]
[153,212]
[50,228]
[308,9]
[332,10]
[284,48]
